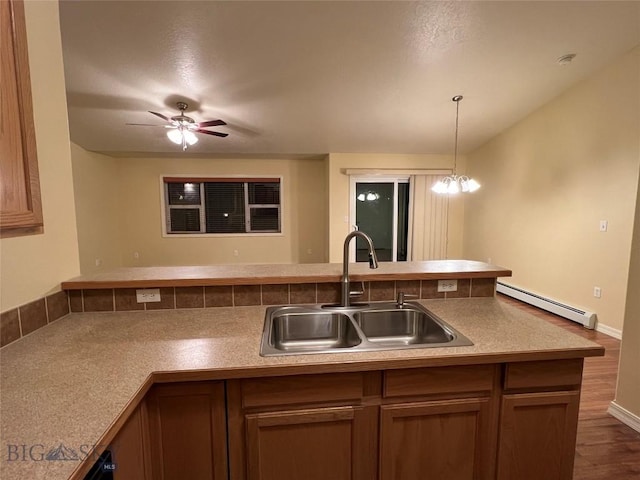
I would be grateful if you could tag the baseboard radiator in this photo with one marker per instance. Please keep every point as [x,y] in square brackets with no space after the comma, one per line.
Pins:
[588,319]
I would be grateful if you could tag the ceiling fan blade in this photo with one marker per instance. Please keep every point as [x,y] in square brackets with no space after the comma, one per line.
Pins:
[212,123]
[160,115]
[217,134]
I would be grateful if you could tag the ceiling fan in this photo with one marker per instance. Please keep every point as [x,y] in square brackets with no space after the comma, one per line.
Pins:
[182,129]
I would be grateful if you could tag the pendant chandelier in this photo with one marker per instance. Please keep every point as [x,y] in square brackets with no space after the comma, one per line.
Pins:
[453,183]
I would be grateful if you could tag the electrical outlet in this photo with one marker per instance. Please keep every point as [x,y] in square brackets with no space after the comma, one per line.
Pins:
[447,285]
[147,295]
[604,225]
[597,292]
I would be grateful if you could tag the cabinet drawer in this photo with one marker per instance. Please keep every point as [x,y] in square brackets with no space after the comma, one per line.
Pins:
[301,389]
[438,380]
[548,373]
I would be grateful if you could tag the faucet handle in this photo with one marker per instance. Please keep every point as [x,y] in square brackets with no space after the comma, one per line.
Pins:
[402,297]
[357,293]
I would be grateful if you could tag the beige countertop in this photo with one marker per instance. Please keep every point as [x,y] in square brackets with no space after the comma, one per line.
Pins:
[68,382]
[281,273]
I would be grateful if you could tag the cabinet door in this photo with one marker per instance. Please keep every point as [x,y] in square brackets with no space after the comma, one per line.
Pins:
[538,436]
[448,439]
[187,430]
[21,210]
[128,449]
[336,443]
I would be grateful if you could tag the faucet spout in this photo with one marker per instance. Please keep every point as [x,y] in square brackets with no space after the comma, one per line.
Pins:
[345,299]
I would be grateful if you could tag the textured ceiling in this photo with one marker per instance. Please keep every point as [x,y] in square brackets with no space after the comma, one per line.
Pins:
[313,77]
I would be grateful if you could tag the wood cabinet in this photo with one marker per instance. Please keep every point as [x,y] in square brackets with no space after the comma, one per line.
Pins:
[538,427]
[451,434]
[315,443]
[20,205]
[472,422]
[187,431]
[311,427]
[129,448]
[442,439]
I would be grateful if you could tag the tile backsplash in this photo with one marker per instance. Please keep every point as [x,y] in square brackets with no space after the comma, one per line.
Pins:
[124,299]
[21,321]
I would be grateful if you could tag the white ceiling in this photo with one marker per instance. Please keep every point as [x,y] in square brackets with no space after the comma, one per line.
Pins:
[311,77]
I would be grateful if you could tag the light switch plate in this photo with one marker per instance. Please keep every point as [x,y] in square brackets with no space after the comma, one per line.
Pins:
[447,285]
[148,295]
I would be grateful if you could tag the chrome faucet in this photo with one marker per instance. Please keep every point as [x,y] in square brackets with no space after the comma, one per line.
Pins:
[345,300]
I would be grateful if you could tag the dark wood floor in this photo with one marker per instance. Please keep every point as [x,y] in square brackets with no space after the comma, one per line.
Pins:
[606,449]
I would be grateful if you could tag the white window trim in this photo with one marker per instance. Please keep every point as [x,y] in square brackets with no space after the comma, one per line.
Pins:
[163,208]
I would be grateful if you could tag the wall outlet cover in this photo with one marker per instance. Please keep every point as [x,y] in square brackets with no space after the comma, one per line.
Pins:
[148,295]
[447,285]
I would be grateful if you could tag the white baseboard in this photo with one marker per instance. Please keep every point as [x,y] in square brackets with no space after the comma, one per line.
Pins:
[624,415]
[607,330]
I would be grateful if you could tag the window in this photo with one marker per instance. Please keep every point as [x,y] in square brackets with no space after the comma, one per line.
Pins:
[222,205]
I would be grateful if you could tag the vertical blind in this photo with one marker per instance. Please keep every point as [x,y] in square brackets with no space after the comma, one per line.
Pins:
[430,219]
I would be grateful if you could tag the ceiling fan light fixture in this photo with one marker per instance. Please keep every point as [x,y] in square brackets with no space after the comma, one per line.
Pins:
[182,130]
[453,184]
[175,136]
[190,137]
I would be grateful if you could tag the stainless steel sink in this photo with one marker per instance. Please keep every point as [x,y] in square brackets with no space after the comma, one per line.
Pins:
[294,330]
[406,326]
[312,331]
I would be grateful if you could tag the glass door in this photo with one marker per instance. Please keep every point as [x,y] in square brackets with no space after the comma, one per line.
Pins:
[380,208]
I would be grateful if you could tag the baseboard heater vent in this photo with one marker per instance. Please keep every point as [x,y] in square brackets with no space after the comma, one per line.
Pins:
[588,319]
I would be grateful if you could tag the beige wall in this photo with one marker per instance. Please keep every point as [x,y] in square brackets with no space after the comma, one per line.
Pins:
[338,190]
[303,202]
[550,179]
[96,187]
[34,265]
[628,392]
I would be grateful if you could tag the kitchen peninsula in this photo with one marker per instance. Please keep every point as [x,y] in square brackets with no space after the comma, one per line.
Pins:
[184,391]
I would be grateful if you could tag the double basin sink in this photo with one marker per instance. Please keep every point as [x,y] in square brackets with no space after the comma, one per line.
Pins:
[302,329]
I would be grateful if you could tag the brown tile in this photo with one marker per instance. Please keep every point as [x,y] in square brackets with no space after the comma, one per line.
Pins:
[483,287]
[463,291]
[9,327]
[126,300]
[33,316]
[382,291]
[365,287]
[218,296]
[57,306]
[100,300]
[167,300]
[410,287]
[75,300]
[328,292]
[275,294]
[246,295]
[302,293]
[189,297]
[429,289]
